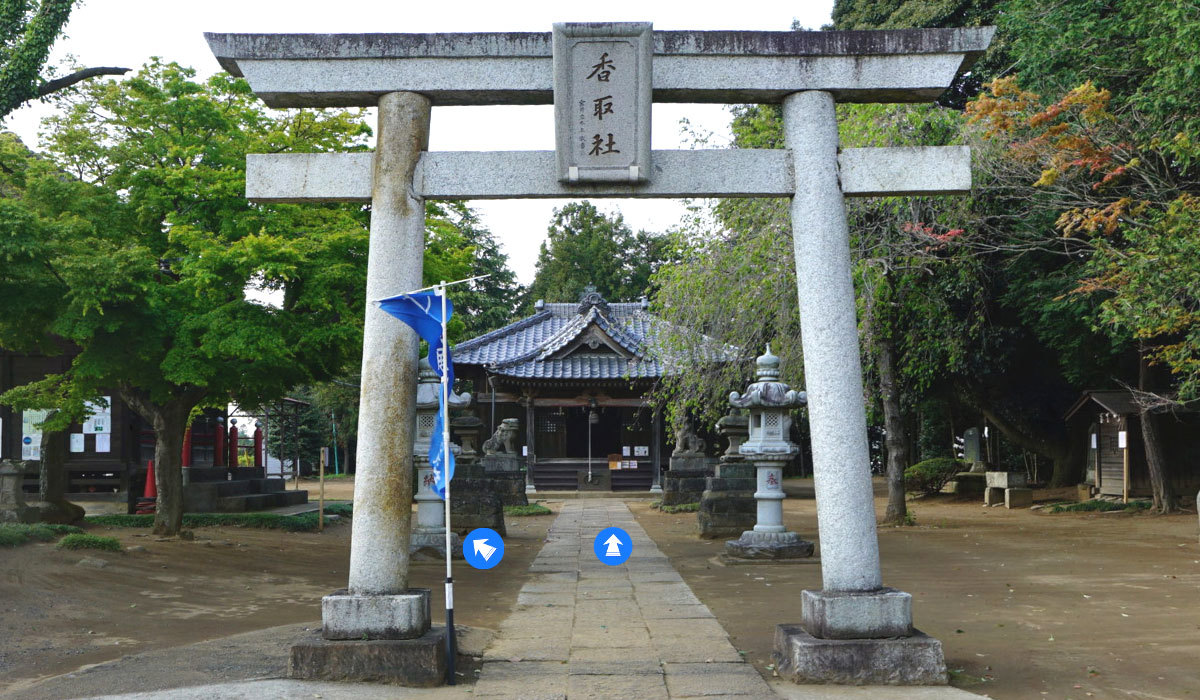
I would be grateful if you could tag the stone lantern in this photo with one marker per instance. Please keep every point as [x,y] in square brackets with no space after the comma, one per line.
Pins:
[429,535]
[768,448]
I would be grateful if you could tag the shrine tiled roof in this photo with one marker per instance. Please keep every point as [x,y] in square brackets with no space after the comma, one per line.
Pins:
[589,340]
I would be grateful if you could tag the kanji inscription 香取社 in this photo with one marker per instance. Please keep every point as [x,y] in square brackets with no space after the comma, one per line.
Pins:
[602,101]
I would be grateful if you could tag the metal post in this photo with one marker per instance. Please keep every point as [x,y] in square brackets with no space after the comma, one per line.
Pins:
[443,365]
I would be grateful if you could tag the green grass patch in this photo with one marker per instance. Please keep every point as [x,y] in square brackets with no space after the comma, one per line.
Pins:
[682,508]
[1100,506]
[17,534]
[304,522]
[531,509]
[329,476]
[84,541]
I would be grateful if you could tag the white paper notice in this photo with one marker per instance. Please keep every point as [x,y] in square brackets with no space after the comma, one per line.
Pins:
[103,444]
[625,450]
[641,451]
[77,442]
[31,434]
[101,419]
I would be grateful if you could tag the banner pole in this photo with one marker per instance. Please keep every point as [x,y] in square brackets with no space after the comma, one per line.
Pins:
[451,645]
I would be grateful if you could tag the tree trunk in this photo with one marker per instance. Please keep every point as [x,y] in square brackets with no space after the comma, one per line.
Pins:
[896,438]
[169,421]
[52,480]
[1160,482]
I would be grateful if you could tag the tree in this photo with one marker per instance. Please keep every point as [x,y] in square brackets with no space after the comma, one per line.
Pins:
[28,29]
[133,249]
[586,247]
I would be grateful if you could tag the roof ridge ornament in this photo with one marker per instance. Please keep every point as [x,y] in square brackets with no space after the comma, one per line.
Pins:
[592,299]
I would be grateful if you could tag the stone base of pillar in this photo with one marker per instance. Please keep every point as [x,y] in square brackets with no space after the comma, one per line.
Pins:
[768,545]
[886,612]
[803,658]
[347,615]
[512,487]
[418,663]
[656,488]
[727,508]
[431,544]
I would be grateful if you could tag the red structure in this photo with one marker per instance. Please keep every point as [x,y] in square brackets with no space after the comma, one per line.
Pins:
[187,447]
[233,445]
[219,444]
[258,446]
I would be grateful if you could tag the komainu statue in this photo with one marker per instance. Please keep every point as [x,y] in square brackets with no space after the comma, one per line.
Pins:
[504,441]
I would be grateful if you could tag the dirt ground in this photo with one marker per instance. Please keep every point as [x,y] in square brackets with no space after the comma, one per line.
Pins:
[57,617]
[1027,605]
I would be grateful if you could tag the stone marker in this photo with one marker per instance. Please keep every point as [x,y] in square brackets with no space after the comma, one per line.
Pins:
[769,448]
[998,482]
[12,497]
[805,71]
[429,535]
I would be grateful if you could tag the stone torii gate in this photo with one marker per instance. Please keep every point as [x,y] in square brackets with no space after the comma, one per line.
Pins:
[854,629]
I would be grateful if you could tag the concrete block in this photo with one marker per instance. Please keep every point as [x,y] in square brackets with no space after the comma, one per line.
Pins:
[1018,498]
[969,484]
[419,662]
[886,612]
[1006,480]
[803,658]
[365,617]
[993,496]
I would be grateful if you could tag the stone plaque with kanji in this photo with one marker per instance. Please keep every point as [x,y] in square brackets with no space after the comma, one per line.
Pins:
[602,98]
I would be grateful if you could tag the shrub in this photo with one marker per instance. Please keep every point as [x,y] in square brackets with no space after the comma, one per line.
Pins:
[682,508]
[16,534]
[1097,505]
[344,510]
[82,541]
[531,509]
[304,522]
[930,476]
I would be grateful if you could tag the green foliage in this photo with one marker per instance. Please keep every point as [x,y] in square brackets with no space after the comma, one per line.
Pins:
[304,522]
[930,476]
[15,534]
[531,509]
[586,247]
[28,29]
[84,541]
[1100,506]
[681,508]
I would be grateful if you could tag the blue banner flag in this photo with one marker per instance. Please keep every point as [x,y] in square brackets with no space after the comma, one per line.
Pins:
[423,312]
[442,473]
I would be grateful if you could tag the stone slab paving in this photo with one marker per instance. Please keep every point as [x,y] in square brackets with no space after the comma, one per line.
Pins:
[584,629]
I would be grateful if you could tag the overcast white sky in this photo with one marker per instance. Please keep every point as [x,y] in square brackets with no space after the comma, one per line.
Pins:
[128,32]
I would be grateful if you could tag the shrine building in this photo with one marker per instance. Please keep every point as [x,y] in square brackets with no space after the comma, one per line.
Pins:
[575,376]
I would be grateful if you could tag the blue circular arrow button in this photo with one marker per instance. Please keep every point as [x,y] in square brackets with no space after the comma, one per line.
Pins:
[613,546]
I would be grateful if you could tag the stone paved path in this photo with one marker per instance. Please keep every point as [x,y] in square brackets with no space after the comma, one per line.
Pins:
[583,629]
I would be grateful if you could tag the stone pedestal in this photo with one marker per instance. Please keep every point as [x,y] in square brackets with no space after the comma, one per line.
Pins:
[1018,498]
[475,503]
[913,660]
[771,546]
[684,482]
[727,506]
[998,483]
[507,471]
[969,484]
[418,662]
[13,508]
[347,615]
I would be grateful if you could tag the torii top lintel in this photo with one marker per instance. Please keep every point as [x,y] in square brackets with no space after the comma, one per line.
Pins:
[349,70]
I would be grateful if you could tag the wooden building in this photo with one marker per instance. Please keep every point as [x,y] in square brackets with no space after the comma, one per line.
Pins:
[108,452]
[1116,457]
[575,377]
